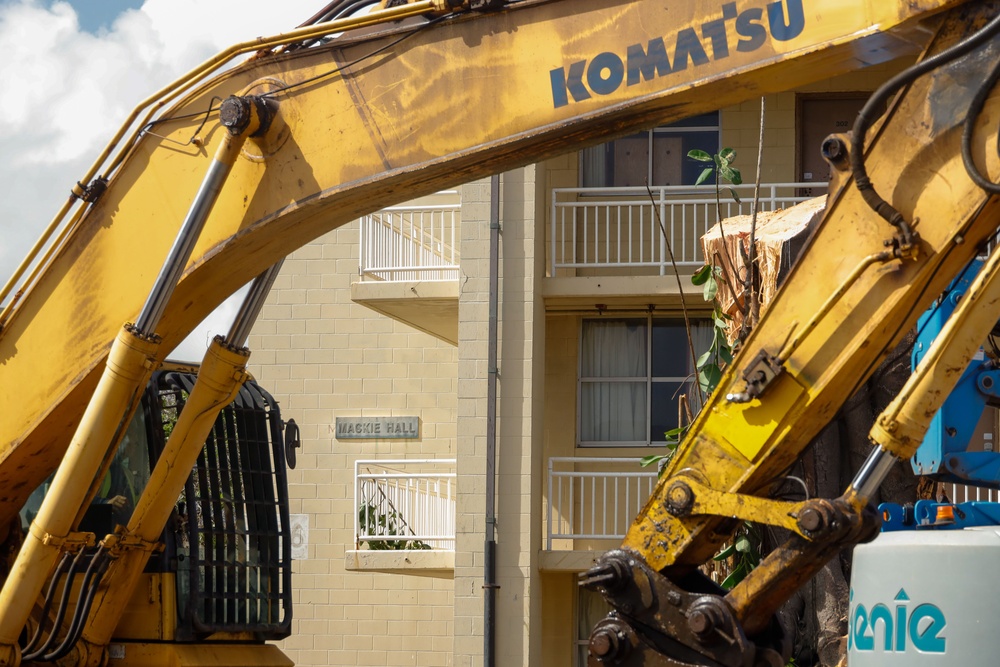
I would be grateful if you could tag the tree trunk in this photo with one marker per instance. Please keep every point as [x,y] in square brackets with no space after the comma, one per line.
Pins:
[830,464]
[818,614]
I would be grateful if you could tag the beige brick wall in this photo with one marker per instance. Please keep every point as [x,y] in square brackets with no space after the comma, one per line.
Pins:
[559,622]
[741,123]
[323,356]
[518,443]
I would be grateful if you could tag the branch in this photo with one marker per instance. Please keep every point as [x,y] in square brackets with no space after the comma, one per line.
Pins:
[680,288]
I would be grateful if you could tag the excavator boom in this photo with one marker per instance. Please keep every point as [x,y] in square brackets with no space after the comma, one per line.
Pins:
[425,95]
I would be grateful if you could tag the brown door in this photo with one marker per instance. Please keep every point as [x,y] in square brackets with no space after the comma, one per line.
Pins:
[821,115]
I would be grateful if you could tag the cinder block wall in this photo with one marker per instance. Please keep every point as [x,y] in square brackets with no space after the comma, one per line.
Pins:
[323,356]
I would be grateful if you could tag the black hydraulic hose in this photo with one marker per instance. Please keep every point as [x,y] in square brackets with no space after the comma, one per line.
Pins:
[319,16]
[49,596]
[88,590]
[870,112]
[975,108]
[61,613]
[334,10]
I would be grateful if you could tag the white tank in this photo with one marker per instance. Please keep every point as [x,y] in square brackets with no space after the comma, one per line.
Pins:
[929,597]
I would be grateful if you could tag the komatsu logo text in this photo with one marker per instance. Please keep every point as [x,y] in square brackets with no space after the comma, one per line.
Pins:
[604,73]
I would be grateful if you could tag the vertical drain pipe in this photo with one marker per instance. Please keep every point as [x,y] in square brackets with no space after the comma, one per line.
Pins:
[490,586]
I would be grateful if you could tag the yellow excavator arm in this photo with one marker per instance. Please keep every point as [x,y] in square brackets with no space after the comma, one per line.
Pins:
[343,117]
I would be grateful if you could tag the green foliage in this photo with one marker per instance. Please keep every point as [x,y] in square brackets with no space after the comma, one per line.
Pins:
[743,553]
[372,521]
[711,363]
[170,410]
[722,167]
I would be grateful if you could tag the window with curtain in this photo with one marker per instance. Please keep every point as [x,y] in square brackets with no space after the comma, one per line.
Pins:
[655,157]
[632,373]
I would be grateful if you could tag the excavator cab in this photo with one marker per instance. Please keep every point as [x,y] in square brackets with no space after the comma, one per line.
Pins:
[230,530]
[224,569]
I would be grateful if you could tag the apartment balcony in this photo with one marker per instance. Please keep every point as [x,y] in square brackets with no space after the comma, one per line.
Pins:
[409,264]
[404,516]
[620,246]
[589,505]
[616,246]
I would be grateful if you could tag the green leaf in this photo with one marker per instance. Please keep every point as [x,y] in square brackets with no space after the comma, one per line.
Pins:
[702,274]
[718,161]
[703,359]
[737,177]
[736,197]
[711,289]
[675,432]
[727,154]
[647,461]
[725,553]
[709,376]
[735,577]
[700,156]
[726,355]
[742,544]
[704,175]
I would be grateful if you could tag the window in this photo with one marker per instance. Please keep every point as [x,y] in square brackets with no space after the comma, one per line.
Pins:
[656,157]
[631,374]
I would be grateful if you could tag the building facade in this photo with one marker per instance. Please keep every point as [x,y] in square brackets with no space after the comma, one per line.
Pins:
[383,363]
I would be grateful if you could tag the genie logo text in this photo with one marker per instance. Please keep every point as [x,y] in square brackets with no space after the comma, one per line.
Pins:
[907,626]
[745,30]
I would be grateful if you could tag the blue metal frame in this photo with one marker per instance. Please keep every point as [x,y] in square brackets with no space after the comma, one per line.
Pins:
[924,515]
[943,453]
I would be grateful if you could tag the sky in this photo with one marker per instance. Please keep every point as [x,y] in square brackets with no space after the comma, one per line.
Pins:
[72,71]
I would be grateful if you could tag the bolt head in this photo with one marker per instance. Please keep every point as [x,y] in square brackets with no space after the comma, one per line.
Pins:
[609,644]
[602,643]
[810,520]
[700,622]
[679,498]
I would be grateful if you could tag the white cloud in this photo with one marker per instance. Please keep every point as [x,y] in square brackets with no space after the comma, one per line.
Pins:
[66,92]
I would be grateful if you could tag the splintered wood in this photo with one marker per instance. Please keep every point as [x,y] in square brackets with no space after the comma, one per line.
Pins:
[779,237]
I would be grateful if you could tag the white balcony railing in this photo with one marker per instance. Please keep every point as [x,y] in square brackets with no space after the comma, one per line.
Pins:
[960,493]
[625,228]
[404,504]
[411,243]
[595,498]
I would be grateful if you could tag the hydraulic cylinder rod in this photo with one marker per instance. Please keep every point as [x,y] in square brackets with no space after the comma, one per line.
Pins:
[222,374]
[131,361]
[901,427]
[220,378]
[897,433]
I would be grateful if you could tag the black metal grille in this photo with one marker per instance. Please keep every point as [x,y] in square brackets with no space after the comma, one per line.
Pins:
[233,547]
